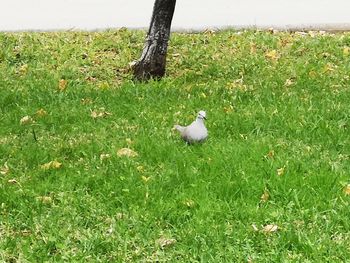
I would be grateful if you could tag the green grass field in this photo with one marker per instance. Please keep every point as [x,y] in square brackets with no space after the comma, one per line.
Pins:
[271,184]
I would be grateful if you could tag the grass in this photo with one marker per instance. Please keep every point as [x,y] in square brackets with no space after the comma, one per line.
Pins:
[278,153]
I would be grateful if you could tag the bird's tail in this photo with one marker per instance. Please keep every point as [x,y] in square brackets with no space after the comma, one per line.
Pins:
[180,128]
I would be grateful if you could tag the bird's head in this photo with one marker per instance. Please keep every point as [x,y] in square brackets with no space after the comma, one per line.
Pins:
[202,115]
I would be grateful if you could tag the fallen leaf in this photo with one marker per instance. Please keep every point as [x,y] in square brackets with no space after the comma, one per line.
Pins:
[26,120]
[329,67]
[270,228]
[145,178]
[166,242]
[346,51]
[253,47]
[41,113]
[51,165]
[140,168]
[272,55]
[281,171]
[126,152]
[101,113]
[128,141]
[86,101]
[103,85]
[104,156]
[23,69]
[12,181]
[265,196]
[5,169]
[44,199]
[189,203]
[312,74]
[288,82]
[62,84]
[255,228]
[347,189]
[270,154]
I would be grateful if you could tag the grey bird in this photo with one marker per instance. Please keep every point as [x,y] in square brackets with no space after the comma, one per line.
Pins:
[196,131]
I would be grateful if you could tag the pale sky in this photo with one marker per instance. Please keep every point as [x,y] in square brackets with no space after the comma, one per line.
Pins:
[189,14]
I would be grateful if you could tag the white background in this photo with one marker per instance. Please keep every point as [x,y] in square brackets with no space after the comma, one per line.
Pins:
[189,14]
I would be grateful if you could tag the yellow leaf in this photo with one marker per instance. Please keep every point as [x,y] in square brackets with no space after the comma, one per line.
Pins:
[128,141]
[140,168]
[189,203]
[270,228]
[145,179]
[265,196]
[281,171]
[347,189]
[346,51]
[312,74]
[103,85]
[126,152]
[272,55]
[5,169]
[329,67]
[51,165]
[23,69]
[41,113]
[44,199]
[62,84]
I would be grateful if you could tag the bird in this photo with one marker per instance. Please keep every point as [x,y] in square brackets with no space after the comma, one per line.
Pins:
[195,132]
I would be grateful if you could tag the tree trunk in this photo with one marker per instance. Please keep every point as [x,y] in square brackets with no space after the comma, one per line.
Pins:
[153,59]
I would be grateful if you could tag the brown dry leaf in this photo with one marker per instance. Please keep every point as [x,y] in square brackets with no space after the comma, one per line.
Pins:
[126,152]
[41,113]
[101,113]
[281,171]
[62,84]
[270,228]
[51,165]
[347,189]
[5,169]
[26,120]
[44,199]
[346,51]
[164,242]
[265,196]
[272,55]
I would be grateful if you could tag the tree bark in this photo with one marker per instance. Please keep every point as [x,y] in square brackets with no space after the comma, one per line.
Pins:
[153,59]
